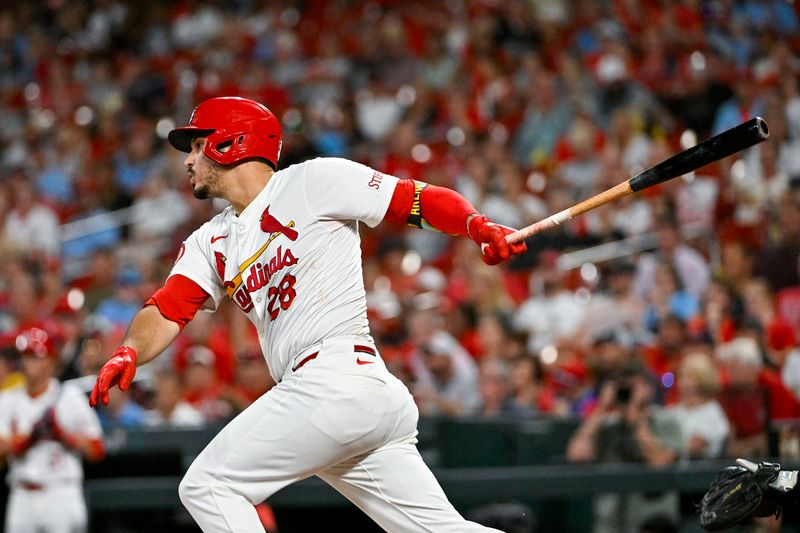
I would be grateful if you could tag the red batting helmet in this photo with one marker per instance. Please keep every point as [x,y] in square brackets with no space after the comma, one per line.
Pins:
[235,129]
[35,341]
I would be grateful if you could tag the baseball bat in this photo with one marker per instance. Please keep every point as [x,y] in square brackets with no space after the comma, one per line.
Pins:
[713,149]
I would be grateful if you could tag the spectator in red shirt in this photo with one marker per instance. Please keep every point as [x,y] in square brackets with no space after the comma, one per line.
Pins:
[202,388]
[752,397]
[252,380]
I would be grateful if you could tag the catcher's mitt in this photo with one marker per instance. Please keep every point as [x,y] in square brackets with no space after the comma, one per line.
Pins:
[745,490]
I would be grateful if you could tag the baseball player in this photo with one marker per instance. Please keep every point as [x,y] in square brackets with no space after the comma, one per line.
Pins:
[45,428]
[287,252]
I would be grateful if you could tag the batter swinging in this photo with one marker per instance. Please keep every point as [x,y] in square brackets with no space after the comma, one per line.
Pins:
[287,252]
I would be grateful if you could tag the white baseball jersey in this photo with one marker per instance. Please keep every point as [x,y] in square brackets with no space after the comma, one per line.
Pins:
[291,260]
[47,461]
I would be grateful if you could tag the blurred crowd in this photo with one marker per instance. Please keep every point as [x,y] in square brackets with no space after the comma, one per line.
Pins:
[684,333]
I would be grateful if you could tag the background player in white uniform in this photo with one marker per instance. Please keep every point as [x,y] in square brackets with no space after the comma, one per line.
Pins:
[287,252]
[45,428]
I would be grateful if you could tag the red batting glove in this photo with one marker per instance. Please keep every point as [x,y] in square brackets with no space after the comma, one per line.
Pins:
[119,370]
[491,238]
[20,444]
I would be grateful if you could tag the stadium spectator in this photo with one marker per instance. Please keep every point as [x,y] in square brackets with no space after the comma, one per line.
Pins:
[664,354]
[10,376]
[613,305]
[250,382]
[626,426]
[446,378]
[495,388]
[31,225]
[122,413]
[551,312]
[156,213]
[529,395]
[202,388]
[668,298]
[703,425]
[752,397]
[169,408]
[692,269]
[608,357]
[204,331]
[120,307]
[777,256]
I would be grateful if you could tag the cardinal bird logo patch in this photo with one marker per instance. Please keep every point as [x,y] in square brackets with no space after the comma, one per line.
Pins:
[220,264]
[270,224]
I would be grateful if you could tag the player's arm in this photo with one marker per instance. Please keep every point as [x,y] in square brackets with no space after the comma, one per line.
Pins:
[421,205]
[152,329]
[338,189]
[5,445]
[76,426]
[11,441]
[6,429]
[91,448]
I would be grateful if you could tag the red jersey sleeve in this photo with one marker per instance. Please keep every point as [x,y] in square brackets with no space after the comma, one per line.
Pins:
[179,299]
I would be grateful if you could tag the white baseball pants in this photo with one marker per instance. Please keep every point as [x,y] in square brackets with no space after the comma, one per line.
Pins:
[52,509]
[351,424]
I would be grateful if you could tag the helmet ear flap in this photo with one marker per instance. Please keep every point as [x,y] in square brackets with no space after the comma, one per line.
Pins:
[227,149]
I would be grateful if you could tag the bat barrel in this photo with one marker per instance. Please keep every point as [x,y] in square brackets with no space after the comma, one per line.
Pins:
[727,143]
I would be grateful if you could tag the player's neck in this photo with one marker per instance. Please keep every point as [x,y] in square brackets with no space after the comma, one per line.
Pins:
[245,183]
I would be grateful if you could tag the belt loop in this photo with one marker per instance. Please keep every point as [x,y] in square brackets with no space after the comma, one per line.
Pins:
[362,348]
[305,360]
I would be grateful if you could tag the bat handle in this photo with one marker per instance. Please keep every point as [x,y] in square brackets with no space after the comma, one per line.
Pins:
[614,193]
[538,227]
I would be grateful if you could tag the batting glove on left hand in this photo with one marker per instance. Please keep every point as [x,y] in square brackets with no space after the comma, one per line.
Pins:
[119,370]
[491,238]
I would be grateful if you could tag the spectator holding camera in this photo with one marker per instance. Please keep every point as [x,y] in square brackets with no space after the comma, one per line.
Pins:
[626,426]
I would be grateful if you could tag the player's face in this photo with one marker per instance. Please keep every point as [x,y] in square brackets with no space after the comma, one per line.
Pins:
[36,369]
[204,174]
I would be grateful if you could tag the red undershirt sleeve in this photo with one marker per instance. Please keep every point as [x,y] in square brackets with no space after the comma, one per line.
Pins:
[178,300]
[422,205]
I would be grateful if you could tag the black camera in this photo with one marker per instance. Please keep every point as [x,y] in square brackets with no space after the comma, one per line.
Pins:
[623,393]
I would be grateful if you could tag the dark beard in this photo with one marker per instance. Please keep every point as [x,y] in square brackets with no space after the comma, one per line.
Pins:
[201,193]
